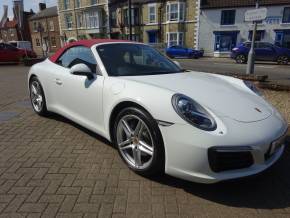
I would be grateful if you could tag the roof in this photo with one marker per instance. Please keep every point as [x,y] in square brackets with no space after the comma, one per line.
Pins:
[48,12]
[10,24]
[208,4]
[86,43]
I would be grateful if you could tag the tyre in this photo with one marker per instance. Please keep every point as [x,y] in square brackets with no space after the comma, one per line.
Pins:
[138,139]
[37,97]
[241,59]
[283,60]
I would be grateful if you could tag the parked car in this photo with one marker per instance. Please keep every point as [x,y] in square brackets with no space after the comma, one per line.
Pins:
[179,51]
[9,53]
[264,51]
[21,44]
[192,125]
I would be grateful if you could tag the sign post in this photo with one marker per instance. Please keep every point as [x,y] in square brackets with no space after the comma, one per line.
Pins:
[256,15]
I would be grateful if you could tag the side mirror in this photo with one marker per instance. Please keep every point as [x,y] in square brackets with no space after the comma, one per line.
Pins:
[82,70]
[177,63]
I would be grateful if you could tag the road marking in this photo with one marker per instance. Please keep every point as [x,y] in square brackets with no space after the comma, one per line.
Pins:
[268,67]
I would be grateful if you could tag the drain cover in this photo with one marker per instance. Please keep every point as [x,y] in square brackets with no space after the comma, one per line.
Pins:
[7,115]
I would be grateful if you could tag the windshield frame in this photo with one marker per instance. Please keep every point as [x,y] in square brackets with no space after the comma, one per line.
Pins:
[103,67]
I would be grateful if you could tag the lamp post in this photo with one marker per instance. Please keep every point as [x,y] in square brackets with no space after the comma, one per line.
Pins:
[251,56]
[130,18]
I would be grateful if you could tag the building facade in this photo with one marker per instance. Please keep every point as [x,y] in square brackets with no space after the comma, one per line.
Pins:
[44,29]
[163,22]
[83,19]
[17,28]
[222,25]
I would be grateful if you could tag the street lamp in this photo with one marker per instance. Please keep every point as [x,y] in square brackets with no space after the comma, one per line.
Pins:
[251,56]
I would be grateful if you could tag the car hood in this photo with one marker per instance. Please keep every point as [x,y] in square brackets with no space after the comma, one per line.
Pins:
[219,94]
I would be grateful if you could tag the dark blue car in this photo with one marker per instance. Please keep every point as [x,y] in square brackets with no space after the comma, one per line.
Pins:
[264,52]
[181,52]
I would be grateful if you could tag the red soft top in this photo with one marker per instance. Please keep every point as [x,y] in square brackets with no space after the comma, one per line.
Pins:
[87,43]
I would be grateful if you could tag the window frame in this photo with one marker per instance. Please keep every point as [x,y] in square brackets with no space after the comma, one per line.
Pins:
[284,21]
[66,4]
[53,39]
[66,21]
[51,26]
[222,21]
[179,12]
[37,42]
[179,39]
[150,6]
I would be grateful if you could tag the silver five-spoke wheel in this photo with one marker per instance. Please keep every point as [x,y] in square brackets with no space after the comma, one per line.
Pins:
[135,141]
[36,96]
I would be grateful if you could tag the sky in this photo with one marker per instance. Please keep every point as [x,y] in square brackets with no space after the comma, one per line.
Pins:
[28,4]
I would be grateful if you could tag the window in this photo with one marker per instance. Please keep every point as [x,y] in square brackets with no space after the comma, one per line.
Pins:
[286,15]
[51,26]
[65,4]
[44,26]
[78,3]
[114,18]
[80,20]
[175,11]
[135,37]
[68,21]
[264,45]
[35,26]
[77,55]
[37,42]
[134,16]
[94,2]
[152,13]
[53,41]
[134,60]
[228,17]
[225,41]
[93,19]
[174,38]
[259,35]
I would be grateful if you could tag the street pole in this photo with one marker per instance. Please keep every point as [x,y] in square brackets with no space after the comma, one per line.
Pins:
[251,56]
[130,19]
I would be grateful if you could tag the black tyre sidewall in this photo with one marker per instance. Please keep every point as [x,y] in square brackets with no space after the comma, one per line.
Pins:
[157,164]
[43,111]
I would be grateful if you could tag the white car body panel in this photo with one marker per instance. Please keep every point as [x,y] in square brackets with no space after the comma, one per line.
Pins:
[228,100]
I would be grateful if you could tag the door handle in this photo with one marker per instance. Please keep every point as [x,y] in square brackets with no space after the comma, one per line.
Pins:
[58,81]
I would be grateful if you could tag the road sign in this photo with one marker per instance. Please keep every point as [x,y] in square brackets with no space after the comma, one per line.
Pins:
[256,14]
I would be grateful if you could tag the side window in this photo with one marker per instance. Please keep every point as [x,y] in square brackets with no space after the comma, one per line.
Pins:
[78,55]
[10,47]
[1,47]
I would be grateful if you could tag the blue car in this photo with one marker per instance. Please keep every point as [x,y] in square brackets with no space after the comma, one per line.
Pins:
[264,51]
[181,52]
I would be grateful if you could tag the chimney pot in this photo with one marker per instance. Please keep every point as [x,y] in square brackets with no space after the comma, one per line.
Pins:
[42,6]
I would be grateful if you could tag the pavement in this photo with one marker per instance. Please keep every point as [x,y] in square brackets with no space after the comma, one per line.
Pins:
[277,73]
[52,167]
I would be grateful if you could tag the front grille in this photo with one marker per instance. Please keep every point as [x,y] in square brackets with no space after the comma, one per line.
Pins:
[223,160]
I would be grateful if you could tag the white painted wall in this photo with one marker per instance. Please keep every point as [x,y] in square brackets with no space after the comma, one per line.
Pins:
[210,22]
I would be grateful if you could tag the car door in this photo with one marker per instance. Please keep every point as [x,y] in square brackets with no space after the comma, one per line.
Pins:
[2,56]
[11,53]
[264,51]
[75,96]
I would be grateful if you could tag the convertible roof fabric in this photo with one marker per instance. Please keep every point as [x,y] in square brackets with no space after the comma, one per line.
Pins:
[86,43]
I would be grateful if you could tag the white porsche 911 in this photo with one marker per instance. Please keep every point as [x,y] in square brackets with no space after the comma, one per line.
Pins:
[196,126]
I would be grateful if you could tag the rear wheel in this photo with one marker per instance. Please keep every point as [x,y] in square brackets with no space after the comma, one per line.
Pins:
[37,97]
[139,141]
[283,60]
[241,59]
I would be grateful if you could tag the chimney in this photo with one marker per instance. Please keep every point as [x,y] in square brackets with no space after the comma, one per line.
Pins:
[42,6]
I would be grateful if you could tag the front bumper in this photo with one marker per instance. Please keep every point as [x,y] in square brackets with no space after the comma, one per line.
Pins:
[187,148]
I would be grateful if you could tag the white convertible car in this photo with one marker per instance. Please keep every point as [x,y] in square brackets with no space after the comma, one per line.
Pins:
[192,125]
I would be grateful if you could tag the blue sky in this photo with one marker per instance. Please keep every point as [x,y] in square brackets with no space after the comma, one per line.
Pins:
[27,5]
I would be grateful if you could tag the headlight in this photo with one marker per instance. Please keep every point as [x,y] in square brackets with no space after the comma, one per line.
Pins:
[193,113]
[251,86]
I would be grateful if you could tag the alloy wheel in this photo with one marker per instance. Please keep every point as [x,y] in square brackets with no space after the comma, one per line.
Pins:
[241,59]
[36,96]
[283,60]
[135,142]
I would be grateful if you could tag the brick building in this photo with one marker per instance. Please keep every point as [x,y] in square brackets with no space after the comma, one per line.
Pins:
[83,19]
[44,28]
[171,22]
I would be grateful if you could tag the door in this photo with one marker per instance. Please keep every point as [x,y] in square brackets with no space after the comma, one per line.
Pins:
[152,37]
[265,51]
[75,96]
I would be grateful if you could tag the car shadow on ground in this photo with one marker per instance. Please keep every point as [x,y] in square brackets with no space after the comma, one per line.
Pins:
[268,190]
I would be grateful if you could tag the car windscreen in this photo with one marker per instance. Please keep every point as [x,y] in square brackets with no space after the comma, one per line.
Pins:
[128,59]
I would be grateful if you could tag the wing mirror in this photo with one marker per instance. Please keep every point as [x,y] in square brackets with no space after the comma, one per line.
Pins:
[82,70]
[177,63]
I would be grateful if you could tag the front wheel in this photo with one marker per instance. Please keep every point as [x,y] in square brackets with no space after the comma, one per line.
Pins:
[138,139]
[37,97]
[283,60]
[241,59]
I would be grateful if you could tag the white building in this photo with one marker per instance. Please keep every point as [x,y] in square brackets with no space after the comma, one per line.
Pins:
[222,25]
